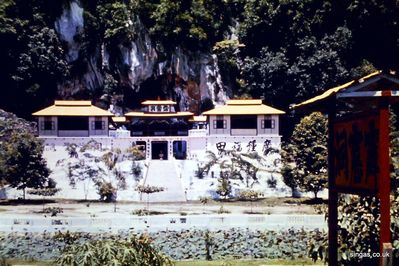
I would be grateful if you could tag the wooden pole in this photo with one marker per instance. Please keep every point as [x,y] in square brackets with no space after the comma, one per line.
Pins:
[384,181]
[332,193]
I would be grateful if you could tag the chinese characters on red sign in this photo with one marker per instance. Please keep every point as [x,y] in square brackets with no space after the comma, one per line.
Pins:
[356,144]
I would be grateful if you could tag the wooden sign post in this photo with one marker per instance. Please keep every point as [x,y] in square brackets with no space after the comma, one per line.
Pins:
[359,164]
[358,147]
[384,184]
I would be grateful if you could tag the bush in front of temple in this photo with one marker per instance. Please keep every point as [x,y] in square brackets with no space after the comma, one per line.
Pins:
[136,251]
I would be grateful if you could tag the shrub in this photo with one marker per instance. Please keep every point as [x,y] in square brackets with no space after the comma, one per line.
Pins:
[224,188]
[144,212]
[120,177]
[271,182]
[110,160]
[53,210]
[45,192]
[67,237]
[91,145]
[136,170]
[71,148]
[223,210]
[141,212]
[149,190]
[3,262]
[200,172]
[135,153]
[107,192]
[204,200]
[136,251]
[249,195]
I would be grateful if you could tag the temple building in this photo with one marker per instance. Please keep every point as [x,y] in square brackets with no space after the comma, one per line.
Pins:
[161,131]
[159,118]
[73,119]
[244,118]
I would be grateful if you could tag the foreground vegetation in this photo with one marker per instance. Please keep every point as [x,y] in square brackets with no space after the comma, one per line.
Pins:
[225,262]
[246,262]
[161,246]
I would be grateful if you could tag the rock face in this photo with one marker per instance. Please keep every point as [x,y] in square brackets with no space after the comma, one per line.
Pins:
[187,77]
[70,25]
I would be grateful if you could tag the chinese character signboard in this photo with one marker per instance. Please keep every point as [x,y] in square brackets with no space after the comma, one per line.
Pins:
[356,145]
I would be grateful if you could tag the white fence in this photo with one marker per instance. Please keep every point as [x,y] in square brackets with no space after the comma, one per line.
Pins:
[164,222]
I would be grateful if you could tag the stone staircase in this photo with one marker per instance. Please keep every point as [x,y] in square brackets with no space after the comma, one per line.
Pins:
[162,173]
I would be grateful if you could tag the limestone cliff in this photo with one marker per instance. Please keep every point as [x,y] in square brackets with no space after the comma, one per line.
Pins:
[140,65]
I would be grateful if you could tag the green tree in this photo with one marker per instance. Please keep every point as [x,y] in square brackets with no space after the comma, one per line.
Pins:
[106,191]
[224,186]
[194,25]
[305,157]
[49,190]
[300,71]
[289,171]
[22,162]
[136,251]
[206,105]
[147,189]
[117,21]
[137,171]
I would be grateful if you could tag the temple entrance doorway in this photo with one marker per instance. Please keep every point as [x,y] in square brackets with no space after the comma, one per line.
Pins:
[159,150]
[180,150]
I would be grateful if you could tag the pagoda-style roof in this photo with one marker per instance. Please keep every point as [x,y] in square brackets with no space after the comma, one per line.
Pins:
[158,109]
[367,89]
[155,115]
[119,119]
[72,108]
[244,107]
[158,102]
[244,102]
[197,119]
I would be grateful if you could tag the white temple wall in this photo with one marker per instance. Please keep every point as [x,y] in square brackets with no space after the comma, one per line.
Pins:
[73,133]
[50,142]
[247,144]
[196,147]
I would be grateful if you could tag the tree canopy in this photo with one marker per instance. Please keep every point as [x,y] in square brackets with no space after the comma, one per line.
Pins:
[22,163]
[289,50]
[305,156]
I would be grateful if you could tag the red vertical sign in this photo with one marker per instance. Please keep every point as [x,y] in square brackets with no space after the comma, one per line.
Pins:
[356,145]
[360,165]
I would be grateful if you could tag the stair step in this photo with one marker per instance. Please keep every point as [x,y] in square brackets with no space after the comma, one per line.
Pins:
[162,173]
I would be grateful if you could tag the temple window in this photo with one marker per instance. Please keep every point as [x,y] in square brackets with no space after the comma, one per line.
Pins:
[98,124]
[47,124]
[268,123]
[219,122]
